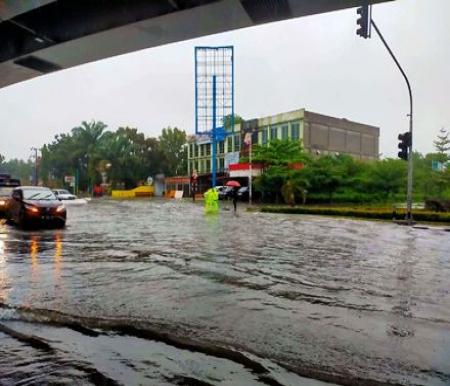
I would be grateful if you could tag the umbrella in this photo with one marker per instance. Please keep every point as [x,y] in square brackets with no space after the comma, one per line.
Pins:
[234,184]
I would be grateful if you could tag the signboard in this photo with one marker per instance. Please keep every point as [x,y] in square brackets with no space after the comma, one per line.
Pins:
[231,158]
[202,139]
[438,166]
[69,179]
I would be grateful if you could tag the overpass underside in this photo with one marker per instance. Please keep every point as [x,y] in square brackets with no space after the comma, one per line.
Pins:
[42,36]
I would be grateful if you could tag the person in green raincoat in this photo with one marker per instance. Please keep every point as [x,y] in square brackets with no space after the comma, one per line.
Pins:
[211,201]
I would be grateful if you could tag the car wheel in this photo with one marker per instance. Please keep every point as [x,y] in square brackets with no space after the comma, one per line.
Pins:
[21,218]
[60,224]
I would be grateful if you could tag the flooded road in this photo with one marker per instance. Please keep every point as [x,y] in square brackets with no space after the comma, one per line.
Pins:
[155,293]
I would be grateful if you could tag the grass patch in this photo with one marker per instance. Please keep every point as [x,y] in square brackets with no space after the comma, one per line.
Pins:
[361,212]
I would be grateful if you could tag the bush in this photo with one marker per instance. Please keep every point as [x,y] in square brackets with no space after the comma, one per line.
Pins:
[371,213]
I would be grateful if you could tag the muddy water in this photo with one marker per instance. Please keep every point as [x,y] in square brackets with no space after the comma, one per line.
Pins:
[155,293]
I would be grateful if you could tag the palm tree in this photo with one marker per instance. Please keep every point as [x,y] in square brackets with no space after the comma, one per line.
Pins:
[88,138]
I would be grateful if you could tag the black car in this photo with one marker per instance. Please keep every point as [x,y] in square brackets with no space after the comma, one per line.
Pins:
[33,206]
[225,193]
[244,194]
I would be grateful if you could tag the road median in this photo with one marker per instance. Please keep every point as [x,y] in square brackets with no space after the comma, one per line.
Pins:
[368,213]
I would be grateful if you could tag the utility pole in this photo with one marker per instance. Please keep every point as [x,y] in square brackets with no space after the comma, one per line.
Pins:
[35,178]
[365,22]
[409,188]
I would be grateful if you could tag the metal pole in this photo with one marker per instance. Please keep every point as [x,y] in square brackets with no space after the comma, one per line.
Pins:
[408,216]
[35,166]
[214,139]
[251,172]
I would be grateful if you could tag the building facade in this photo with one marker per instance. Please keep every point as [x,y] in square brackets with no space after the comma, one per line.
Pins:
[319,134]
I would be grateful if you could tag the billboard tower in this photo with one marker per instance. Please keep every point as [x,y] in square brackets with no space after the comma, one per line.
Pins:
[214,96]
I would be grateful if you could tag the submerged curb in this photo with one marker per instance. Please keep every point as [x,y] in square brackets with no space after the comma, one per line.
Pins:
[367,213]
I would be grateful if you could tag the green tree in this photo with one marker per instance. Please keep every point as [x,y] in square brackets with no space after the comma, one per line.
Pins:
[227,121]
[279,153]
[324,175]
[18,168]
[87,138]
[172,145]
[386,177]
[279,179]
[442,144]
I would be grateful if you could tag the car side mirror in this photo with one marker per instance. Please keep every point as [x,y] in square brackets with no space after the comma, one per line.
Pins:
[17,195]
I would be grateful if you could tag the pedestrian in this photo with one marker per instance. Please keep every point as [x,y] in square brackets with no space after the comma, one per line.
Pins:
[234,196]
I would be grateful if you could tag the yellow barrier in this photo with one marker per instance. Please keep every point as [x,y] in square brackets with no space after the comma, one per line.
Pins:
[140,191]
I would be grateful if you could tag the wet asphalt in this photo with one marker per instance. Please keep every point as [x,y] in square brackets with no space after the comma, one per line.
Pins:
[156,293]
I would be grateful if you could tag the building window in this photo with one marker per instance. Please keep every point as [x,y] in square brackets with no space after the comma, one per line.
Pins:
[221,164]
[264,136]
[295,131]
[208,166]
[196,150]
[221,147]
[229,144]
[273,133]
[208,149]
[237,142]
[196,166]
[284,132]
[202,150]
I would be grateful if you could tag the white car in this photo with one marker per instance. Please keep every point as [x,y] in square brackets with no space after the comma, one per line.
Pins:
[63,194]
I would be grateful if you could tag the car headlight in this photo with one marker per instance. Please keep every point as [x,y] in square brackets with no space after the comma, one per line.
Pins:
[32,209]
[60,209]
[2,202]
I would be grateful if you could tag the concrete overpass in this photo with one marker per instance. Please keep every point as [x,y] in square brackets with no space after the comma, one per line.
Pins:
[42,36]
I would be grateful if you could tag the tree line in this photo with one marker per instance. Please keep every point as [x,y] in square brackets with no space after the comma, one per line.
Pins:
[341,178]
[126,156]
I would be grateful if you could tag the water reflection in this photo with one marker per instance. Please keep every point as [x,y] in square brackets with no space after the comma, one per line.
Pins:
[34,252]
[57,257]
[4,280]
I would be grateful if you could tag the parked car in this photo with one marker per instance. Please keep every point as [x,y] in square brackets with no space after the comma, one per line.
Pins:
[33,206]
[244,193]
[225,193]
[63,194]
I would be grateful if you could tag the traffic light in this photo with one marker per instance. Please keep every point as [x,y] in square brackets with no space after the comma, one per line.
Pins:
[405,143]
[363,22]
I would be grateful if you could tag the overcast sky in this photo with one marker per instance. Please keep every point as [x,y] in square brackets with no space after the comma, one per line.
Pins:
[316,62]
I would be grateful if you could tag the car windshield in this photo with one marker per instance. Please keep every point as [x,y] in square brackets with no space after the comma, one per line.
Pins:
[5,191]
[63,191]
[38,194]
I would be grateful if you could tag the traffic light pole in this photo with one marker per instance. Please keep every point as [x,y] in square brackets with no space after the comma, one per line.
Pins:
[408,216]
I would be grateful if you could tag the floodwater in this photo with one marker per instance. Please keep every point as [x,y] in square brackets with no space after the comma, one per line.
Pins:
[157,293]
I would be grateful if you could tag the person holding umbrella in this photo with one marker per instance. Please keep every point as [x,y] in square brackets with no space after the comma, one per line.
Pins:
[235,185]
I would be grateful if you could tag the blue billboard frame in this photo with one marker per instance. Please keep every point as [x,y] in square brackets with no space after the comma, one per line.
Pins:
[214,95]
